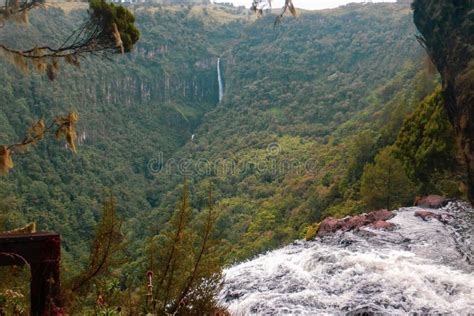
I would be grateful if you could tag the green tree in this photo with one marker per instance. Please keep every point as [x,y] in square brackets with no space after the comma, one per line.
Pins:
[187,270]
[361,152]
[384,184]
[106,254]
[426,143]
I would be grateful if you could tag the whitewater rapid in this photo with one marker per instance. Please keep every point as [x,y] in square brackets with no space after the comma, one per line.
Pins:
[419,267]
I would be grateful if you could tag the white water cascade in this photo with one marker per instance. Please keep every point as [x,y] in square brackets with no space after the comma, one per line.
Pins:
[423,267]
[219,79]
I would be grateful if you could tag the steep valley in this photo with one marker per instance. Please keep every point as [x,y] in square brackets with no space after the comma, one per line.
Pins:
[306,105]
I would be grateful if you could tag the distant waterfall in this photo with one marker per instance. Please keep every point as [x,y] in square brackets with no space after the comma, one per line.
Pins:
[219,79]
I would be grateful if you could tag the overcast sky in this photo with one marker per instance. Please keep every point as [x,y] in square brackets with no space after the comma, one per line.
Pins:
[306,4]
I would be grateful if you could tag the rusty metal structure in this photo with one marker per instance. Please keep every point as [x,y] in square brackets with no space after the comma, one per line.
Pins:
[42,252]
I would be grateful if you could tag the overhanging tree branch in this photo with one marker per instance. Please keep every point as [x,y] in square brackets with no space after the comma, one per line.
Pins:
[63,127]
[13,9]
[108,29]
[258,6]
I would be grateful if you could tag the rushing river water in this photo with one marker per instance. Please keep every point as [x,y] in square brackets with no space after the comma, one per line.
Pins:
[419,267]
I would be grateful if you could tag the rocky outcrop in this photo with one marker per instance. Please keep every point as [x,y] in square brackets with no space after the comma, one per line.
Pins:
[427,215]
[446,29]
[431,201]
[381,225]
[380,215]
[329,225]
[375,220]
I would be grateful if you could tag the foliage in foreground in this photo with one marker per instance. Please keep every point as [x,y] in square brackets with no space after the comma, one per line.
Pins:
[108,28]
[184,263]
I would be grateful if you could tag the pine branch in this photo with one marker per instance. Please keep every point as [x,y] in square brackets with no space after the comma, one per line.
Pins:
[13,8]
[109,29]
[259,5]
[204,247]
[107,241]
[62,127]
[170,262]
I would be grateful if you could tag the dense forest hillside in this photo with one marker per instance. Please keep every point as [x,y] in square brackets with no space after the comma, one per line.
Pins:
[307,105]
[130,109]
[281,149]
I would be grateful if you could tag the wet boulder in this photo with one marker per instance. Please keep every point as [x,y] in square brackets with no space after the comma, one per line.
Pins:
[431,201]
[425,215]
[375,219]
[381,224]
[445,218]
[329,225]
[380,215]
[354,222]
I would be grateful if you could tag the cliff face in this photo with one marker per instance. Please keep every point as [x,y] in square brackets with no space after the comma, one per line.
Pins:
[447,29]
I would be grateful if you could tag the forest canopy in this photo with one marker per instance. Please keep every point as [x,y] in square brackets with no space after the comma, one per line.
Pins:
[332,114]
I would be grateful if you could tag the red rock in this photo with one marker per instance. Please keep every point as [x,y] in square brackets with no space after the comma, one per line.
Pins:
[425,215]
[381,224]
[431,201]
[329,225]
[375,218]
[355,222]
[380,215]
